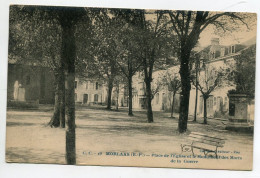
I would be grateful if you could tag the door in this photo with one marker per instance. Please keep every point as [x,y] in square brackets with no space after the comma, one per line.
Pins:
[85,98]
[220,104]
[96,98]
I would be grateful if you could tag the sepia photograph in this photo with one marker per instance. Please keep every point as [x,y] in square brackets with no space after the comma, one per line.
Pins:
[131,87]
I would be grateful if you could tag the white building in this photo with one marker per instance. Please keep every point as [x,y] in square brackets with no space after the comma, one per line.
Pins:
[215,56]
[218,56]
[90,92]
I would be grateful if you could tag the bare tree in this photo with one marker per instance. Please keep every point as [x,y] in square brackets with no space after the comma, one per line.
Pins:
[209,80]
[173,84]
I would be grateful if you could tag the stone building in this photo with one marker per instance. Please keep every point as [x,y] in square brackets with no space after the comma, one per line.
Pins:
[29,83]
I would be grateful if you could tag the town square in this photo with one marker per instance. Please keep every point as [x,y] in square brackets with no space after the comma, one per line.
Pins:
[131,87]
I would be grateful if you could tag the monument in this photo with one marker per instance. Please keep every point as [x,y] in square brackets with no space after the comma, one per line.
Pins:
[241,113]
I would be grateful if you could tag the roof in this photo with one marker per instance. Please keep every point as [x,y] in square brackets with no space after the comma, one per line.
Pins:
[221,52]
[249,42]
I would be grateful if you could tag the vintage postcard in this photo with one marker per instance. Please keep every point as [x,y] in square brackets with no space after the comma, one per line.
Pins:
[131,87]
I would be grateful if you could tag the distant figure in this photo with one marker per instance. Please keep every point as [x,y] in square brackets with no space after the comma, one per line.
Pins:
[16,90]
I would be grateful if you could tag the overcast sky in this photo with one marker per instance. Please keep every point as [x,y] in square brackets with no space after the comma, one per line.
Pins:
[228,38]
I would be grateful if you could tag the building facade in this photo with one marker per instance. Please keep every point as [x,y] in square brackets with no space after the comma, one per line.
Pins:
[216,57]
[30,83]
[162,97]
[35,83]
[213,56]
[89,92]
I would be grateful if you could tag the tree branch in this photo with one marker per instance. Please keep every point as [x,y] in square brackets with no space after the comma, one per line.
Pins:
[173,24]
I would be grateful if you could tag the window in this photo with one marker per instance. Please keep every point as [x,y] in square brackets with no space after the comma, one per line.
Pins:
[76,84]
[225,101]
[87,85]
[96,98]
[217,54]
[215,101]
[232,49]
[85,98]
[96,85]
[222,52]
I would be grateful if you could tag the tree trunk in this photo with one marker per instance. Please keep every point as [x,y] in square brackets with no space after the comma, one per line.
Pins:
[130,96]
[196,97]
[149,100]
[185,91]
[70,113]
[55,120]
[172,104]
[117,96]
[196,102]
[69,56]
[62,100]
[58,118]
[109,93]
[205,109]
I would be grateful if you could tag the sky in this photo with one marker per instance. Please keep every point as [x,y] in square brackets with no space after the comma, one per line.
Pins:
[241,34]
[229,38]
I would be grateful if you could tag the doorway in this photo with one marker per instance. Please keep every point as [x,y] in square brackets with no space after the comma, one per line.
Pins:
[85,98]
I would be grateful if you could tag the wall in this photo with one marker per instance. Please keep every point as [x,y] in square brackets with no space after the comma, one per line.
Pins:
[37,81]
[88,88]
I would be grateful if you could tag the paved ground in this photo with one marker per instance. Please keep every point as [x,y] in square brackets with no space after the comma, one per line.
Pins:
[29,139]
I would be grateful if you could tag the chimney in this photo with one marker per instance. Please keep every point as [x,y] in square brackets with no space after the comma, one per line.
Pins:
[214,41]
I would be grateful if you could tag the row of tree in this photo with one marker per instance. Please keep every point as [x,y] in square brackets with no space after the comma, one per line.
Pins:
[139,40]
